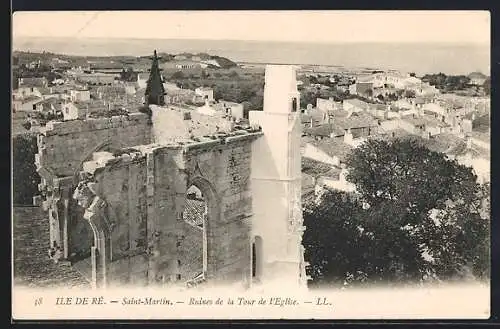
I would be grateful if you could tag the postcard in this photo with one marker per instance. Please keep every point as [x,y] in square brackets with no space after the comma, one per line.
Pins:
[251,165]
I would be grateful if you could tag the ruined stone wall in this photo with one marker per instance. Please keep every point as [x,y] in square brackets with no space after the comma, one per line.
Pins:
[123,186]
[64,145]
[145,192]
[227,167]
[176,124]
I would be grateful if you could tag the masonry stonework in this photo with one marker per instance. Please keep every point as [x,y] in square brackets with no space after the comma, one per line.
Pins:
[115,191]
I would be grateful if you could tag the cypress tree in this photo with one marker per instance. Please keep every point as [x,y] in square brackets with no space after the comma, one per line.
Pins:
[155,93]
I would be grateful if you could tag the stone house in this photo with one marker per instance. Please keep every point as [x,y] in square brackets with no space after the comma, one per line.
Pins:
[364,89]
[33,82]
[30,103]
[80,95]
[205,93]
[74,111]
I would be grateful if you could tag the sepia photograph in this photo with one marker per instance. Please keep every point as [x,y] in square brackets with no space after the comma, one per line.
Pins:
[250,165]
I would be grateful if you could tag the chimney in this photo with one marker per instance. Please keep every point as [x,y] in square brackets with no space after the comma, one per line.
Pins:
[309,108]
[468,141]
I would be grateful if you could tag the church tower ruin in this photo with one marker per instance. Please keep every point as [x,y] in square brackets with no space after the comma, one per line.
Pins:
[155,92]
[276,182]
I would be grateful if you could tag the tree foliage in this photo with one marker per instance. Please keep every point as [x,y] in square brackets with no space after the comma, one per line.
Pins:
[416,216]
[447,83]
[25,178]
[128,75]
[487,86]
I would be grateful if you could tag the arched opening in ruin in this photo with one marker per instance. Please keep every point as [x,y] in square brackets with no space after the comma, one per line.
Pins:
[193,248]
[81,235]
[257,259]
[81,241]
[203,269]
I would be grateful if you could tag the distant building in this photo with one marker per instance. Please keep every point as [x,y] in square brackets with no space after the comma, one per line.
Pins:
[205,92]
[80,95]
[328,104]
[211,62]
[477,78]
[231,109]
[130,89]
[30,103]
[312,117]
[73,111]
[23,92]
[50,106]
[97,78]
[33,82]
[142,79]
[364,89]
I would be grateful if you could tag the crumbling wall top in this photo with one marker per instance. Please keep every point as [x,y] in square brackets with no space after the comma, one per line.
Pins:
[90,124]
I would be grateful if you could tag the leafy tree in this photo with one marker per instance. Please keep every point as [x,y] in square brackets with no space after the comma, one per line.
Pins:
[25,178]
[416,215]
[309,97]
[128,75]
[233,74]
[177,75]
[487,86]
[313,79]
[409,93]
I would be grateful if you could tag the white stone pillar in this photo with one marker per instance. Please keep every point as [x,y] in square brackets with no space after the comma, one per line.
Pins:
[276,177]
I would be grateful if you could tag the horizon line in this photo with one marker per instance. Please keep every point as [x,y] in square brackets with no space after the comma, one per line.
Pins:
[444,42]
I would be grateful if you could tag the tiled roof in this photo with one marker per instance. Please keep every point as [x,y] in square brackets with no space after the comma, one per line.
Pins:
[358,103]
[325,130]
[462,149]
[442,142]
[333,147]
[414,120]
[81,105]
[31,99]
[356,121]
[394,133]
[431,121]
[307,183]
[314,168]
[482,136]
[39,81]
[338,113]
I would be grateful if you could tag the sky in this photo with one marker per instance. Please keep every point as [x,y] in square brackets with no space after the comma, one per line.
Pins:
[289,26]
